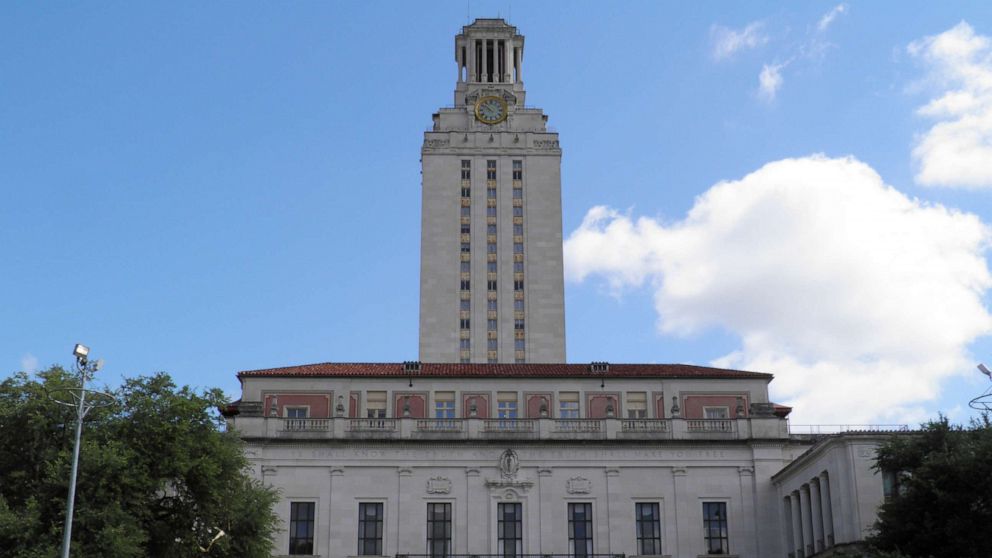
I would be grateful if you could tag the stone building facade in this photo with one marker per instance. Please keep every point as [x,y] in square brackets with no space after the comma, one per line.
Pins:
[492,445]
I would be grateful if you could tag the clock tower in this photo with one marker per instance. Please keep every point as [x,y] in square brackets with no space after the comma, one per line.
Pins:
[491,276]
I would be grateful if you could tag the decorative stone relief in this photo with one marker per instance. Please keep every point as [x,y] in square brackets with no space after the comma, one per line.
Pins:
[509,464]
[436,143]
[679,471]
[546,144]
[438,485]
[578,485]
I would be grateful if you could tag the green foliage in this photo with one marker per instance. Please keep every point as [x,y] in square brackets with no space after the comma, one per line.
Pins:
[944,501]
[157,474]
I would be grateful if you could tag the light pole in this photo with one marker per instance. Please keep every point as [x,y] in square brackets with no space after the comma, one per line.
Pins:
[76,398]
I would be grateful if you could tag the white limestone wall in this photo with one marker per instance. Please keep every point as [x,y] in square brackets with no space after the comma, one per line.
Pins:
[405,477]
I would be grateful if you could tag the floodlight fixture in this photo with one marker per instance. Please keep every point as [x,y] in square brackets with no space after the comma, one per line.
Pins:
[984,370]
[81,351]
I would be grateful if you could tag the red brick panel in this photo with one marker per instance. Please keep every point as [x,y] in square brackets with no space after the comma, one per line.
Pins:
[659,405]
[353,404]
[596,405]
[692,406]
[319,403]
[481,404]
[417,402]
[534,402]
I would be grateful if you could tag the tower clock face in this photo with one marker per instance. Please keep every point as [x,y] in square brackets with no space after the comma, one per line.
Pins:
[490,110]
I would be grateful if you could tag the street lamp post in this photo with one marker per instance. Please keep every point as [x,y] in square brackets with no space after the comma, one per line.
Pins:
[76,398]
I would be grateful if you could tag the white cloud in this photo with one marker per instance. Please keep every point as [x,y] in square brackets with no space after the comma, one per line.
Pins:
[770,80]
[29,363]
[830,16]
[728,41]
[957,150]
[859,299]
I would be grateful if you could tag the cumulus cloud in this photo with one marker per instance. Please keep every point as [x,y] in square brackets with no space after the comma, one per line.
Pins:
[957,150]
[830,16]
[29,363]
[859,299]
[728,41]
[770,80]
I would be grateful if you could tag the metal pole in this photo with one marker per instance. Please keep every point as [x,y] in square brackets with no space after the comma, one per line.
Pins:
[75,463]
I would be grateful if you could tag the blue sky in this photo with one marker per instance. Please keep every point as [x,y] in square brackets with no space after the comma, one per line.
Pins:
[206,188]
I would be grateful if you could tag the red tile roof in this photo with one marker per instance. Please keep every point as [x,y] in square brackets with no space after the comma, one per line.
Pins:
[396,369]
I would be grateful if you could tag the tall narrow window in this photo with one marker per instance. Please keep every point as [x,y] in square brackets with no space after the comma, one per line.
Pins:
[490,170]
[375,404]
[509,530]
[715,532]
[438,530]
[466,169]
[568,405]
[637,405]
[648,517]
[370,529]
[518,170]
[444,405]
[579,529]
[301,527]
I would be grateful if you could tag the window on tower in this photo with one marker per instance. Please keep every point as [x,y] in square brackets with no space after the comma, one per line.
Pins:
[490,170]
[517,211]
[466,247]
[465,323]
[491,267]
[491,305]
[518,248]
[466,284]
[467,211]
[491,285]
[491,211]
[518,170]
[518,194]
[491,193]
[466,228]
[466,169]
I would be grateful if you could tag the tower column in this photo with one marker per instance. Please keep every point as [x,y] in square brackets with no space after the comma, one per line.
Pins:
[520,64]
[508,61]
[459,59]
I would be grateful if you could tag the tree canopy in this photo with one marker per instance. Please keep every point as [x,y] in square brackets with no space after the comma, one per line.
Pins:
[158,474]
[941,504]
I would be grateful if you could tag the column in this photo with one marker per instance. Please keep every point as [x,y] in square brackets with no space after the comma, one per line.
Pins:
[327,519]
[459,59]
[610,473]
[827,511]
[790,541]
[485,60]
[508,60]
[520,66]
[797,525]
[683,499]
[817,515]
[543,508]
[748,515]
[807,526]
[471,48]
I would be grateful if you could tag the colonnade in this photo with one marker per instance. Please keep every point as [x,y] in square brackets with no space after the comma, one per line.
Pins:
[475,65]
[809,518]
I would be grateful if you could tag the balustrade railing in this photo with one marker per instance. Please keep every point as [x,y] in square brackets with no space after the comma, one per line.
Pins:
[586,426]
[522,426]
[645,425]
[439,425]
[714,426]
[306,424]
[372,425]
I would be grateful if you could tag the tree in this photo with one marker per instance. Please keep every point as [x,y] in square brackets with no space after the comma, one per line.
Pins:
[158,474]
[942,499]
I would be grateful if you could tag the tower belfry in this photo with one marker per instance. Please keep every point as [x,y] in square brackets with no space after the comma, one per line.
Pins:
[491,276]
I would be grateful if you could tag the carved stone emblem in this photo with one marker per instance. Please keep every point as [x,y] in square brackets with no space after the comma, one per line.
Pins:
[509,464]
[438,485]
[578,485]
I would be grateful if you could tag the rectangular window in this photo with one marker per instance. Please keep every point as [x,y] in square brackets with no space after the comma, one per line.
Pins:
[491,193]
[491,211]
[466,284]
[518,325]
[518,344]
[375,404]
[466,267]
[301,521]
[715,528]
[438,530]
[579,529]
[490,229]
[466,247]
[716,412]
[493,344]
[568,405]
[491,325]
[637,405]
[518,230]
[510,530]
[648,516]
[518,248]
[465,304]
[296,412]
[491,305]
[465,344]
[518,170]
[518,285]
[444,405]
[518,212]
[506,404]
[518,267]
[465,323]
[466,169]
[466,228]
[466,192]
[518,305]
[490,170]
[466,211]
[491,248]
[518,194]
[491,267]
[370,529]
[491,285]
